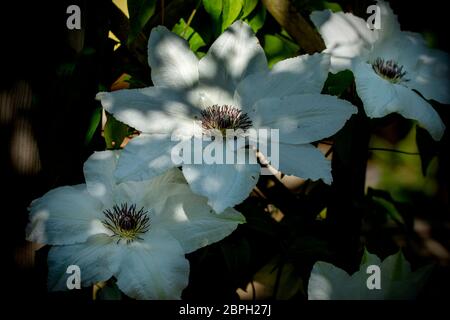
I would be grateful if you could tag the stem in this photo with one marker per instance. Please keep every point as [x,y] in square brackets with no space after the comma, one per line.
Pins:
[349,172]
[191,17]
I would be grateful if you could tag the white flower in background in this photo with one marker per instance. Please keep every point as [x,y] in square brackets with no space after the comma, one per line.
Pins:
[388,64]
[230,88]
[138,232]
[398,282]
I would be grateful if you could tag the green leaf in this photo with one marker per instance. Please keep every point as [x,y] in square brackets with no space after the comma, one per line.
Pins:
[278,48]
[249,6]
[140,12]
[257,18]
[428,148]
[93,124]
[337,83]
[214,8]
[230,12]
[333,6]
[384,200]
[115,132]
[188,33]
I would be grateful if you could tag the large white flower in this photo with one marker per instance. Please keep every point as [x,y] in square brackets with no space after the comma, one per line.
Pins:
[137,232]
[397,281]
[230,88]
[388,65]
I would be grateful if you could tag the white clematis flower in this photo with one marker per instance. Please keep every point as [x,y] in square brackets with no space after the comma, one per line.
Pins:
[397,281]
[138,232]
[388,64]
[230,88]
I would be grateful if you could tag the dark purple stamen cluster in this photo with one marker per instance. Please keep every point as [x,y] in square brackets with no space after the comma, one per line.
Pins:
[224,117]
[126,222]
[389,70]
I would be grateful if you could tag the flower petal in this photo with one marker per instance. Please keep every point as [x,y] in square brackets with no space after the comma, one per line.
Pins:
[345,35]
[144,157]
[151,109]
[302,118]
[154,269]
[172,62]
[225,185]
[65,215]
[430,75]
[299,75]
[381,97]
[304,161]
[327,281]
[92,257]
[99,174]
[190,220]
[233,56]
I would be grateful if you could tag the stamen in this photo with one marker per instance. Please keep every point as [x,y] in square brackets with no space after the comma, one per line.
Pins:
[224,117]
[389,70]
[126,223]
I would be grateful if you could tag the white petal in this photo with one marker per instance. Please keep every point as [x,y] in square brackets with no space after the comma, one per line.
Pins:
[190,220]
[345,35]
[304,161]
[65,215]
[389,26]
[302,118]
[92,257]
[225,185]
[151,109]
[233,56]
[152,193]
[154,269]
[430,75]
[381,97]
[299,75]
[172,62]
[144,157]
[99,174]
[326,282]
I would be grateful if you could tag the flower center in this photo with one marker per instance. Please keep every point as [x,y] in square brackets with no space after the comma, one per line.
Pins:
[126,222]
[224,117]
[389,70]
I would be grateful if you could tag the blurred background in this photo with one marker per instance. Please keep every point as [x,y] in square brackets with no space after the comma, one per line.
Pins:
[51,123]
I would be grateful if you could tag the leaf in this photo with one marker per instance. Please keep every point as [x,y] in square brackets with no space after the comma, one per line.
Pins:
[93,124]
[384,200]
[249,6]
[214,8]
[140,12]
[337,83]
[115,132]
[230,12]
[257,18]
[333,6]
[428,148]
[189,34]
[278,48]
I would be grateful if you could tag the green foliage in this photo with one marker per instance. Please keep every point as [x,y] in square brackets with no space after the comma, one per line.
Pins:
[224,12]
[115,132]
[187,32]
[337,83]
[93,124]
[428,148]
[140,12]
[278,47]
